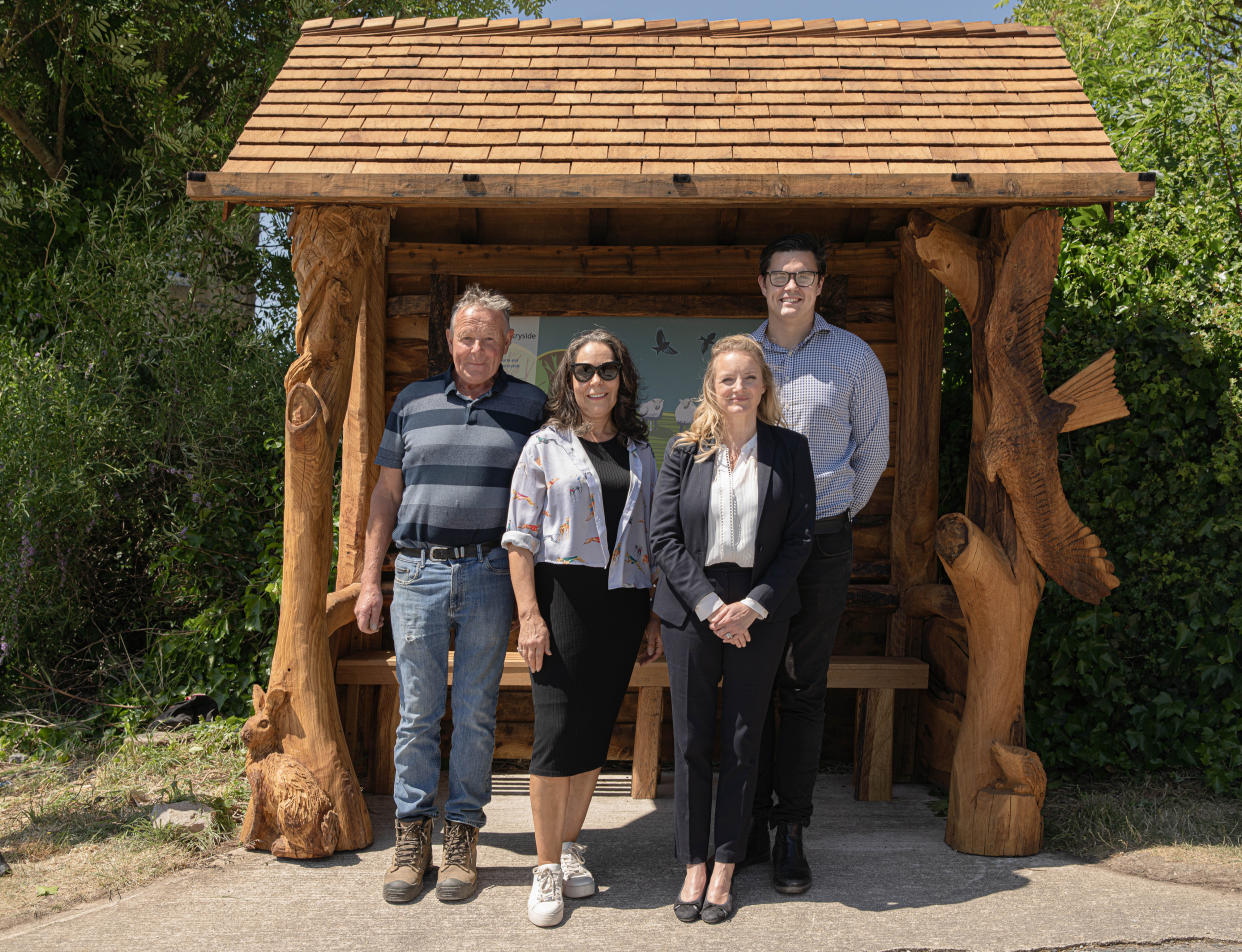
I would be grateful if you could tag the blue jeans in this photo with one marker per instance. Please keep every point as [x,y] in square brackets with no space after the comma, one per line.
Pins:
[471,601]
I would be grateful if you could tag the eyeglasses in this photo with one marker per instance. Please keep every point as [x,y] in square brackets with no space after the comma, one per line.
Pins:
[607,371]
[804,279]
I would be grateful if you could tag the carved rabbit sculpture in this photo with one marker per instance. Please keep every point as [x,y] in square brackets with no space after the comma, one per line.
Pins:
[293,817]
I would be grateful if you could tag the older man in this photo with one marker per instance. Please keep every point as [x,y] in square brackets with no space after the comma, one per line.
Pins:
[446,459]
[832,391]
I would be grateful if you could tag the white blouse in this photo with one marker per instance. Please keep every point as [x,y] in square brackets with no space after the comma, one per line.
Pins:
[733,519]
[733,515]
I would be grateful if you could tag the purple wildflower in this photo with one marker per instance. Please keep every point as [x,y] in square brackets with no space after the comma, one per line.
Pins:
[26,553]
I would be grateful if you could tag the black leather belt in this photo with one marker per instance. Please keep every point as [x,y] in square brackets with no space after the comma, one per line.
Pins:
[447,553]
[832,523]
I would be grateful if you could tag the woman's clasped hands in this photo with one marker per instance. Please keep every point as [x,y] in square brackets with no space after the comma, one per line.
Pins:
[732,622]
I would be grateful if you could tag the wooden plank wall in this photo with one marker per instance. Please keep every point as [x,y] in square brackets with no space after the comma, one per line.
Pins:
[647,263]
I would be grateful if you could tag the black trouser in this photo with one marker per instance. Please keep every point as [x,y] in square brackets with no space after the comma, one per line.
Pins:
[793,740]
[697,662]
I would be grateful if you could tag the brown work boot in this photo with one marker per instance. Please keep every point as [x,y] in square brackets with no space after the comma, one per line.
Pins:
[459,872]
[404,880]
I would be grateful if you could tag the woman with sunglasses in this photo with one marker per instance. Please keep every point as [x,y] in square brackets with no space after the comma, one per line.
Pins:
[581,570]
[731,528]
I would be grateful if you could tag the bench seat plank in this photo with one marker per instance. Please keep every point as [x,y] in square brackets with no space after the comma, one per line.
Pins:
[875,678]
[846,671]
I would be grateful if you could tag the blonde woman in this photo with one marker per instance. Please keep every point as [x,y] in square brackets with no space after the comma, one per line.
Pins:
[731,528]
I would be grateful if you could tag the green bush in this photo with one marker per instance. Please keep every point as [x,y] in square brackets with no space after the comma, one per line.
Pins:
[138,434]
[1148,679]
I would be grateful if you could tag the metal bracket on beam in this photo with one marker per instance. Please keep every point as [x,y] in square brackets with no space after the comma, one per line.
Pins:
[681,178]
[470,177]
[196,176]
[1147,176]
[959,177]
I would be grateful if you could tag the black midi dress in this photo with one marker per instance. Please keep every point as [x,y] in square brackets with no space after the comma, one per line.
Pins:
[595,634]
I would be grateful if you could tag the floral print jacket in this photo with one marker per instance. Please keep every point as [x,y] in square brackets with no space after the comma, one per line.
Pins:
[554,509]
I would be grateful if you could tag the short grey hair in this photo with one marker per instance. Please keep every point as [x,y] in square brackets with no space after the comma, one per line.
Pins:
[478,296]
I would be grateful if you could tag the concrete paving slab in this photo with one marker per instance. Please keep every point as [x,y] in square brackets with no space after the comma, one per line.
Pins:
[885,881]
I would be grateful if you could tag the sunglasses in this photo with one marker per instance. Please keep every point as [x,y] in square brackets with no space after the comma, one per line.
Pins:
[609,370]
[804,279]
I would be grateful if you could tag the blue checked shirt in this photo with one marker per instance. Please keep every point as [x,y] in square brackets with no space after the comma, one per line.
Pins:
[833,392]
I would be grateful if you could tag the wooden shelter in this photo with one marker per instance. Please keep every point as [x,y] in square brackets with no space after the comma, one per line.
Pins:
[609,169]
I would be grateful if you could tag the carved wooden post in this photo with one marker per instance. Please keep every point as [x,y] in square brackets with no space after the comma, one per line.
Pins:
[336,250]
[991,812]
[1016,512]
[364,424]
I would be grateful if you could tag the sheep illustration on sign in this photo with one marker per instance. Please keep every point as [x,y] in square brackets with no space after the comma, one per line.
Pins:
[651,409]
[684,413]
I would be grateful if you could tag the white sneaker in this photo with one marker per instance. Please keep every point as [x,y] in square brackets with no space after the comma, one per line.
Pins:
[576,880]
[545,907]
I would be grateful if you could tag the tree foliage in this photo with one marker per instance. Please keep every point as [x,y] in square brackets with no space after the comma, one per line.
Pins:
[101,85]
[140,389]
[131,441]
[1150,678]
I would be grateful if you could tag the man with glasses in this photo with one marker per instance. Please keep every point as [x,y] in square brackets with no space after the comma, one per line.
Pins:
[832,391]
[447,455]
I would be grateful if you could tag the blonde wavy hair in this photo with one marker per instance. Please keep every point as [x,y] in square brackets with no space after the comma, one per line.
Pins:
[707,428]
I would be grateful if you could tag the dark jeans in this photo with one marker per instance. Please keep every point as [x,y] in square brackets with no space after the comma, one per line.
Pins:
[794,737]
[698,661]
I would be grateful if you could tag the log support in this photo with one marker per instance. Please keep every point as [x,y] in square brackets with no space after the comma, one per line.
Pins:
[991,812]
[443,291]
[873,744]
[337,253]
[918,309]
[647,743]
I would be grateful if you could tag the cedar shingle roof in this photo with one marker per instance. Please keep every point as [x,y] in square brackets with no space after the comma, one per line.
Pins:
[416,98]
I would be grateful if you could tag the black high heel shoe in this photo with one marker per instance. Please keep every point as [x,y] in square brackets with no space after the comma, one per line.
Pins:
[714,914]
[689,911]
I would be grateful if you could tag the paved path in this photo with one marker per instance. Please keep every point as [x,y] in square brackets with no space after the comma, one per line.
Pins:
[884,881]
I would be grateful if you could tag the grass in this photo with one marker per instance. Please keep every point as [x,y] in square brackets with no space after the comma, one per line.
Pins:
[1164,828]
[1096,821]
[76,825]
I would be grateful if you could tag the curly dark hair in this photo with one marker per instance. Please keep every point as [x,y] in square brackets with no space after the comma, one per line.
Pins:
[562,407]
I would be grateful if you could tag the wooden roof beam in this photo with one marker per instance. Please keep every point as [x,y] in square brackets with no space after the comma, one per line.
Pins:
[892,189]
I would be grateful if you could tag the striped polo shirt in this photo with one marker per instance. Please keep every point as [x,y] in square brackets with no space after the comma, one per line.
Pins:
[456,457]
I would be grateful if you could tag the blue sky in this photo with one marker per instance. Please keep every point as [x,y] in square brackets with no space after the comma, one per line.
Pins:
[965,10]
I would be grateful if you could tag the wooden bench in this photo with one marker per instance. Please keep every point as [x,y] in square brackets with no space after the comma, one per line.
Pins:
[874,678]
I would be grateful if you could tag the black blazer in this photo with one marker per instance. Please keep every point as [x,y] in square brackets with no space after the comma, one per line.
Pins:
[786,521]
